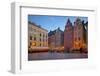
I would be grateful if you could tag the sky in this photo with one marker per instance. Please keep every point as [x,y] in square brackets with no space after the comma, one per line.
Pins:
[53,22]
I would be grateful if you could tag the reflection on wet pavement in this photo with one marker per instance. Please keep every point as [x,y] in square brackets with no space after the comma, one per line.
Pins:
[55,55]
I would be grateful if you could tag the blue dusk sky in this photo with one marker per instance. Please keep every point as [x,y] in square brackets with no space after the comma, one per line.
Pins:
[53,22]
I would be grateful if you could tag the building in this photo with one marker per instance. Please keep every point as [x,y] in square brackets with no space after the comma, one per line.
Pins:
[68,36]
[79,34]
[37,37]
[76,36]
[55,40]
[85,31]
[85,26]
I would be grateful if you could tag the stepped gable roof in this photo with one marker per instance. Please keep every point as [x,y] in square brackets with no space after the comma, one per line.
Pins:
[53,32]
[68,23]
[78,20]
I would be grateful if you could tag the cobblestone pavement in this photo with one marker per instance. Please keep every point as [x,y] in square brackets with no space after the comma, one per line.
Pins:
[49,56]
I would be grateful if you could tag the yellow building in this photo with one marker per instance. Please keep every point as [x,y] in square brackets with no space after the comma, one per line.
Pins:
[37,37]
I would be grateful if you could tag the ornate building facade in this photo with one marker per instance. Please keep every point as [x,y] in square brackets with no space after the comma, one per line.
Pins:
[37,36]
[56,39]
[79,31]
[68,36]
[75,36]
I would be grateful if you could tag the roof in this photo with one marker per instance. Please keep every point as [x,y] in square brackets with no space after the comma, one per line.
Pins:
[85,25]
[32,23]
[53,32]
[68,23]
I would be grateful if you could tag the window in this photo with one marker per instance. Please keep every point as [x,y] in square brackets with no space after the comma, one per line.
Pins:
[30,37]
[40,44]
[34,44]
[79,38]
[40,34]
[34,38]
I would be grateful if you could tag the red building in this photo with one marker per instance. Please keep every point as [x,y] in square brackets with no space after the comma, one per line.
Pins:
[75,36]
[68,36]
